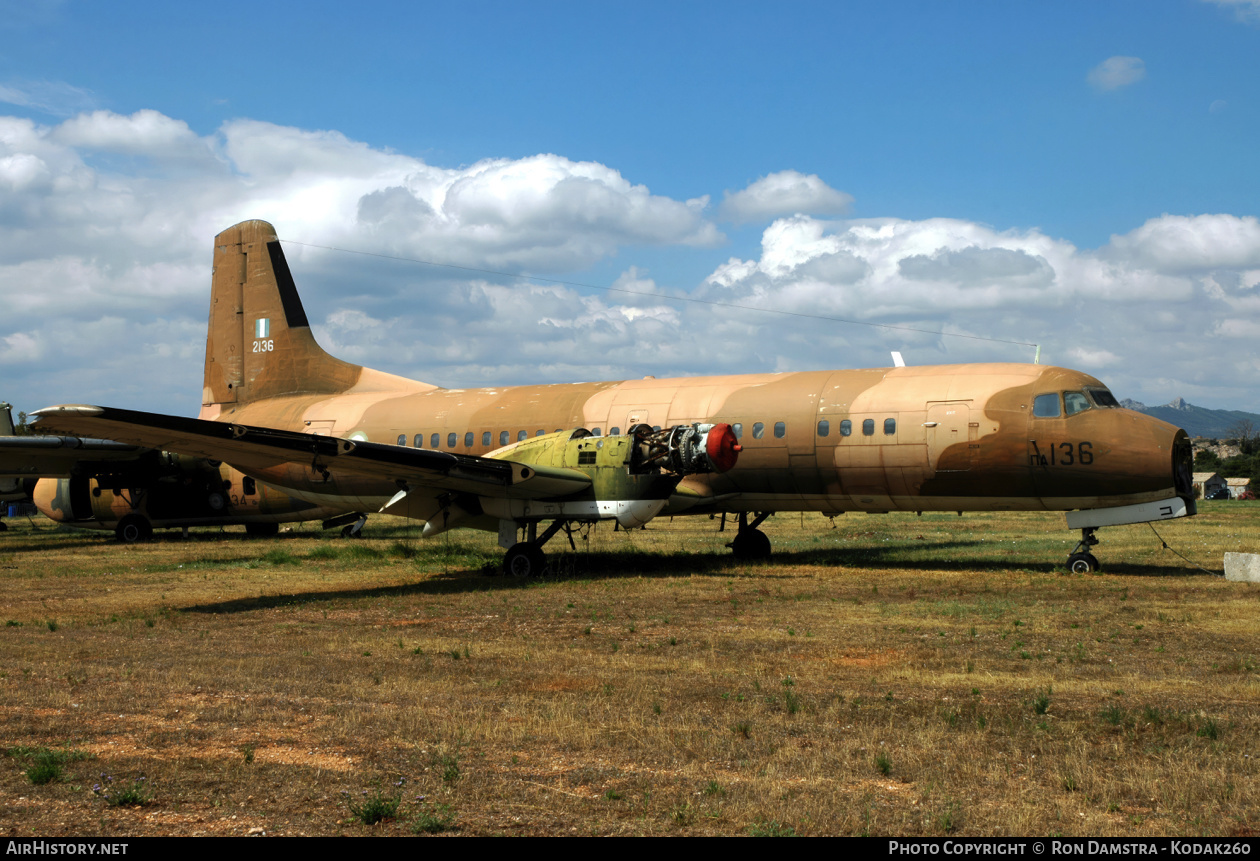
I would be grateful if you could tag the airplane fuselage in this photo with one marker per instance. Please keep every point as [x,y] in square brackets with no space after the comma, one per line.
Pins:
[935,438]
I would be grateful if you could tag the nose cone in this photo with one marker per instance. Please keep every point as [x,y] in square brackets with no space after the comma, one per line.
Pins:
[1109,457]
[51,497]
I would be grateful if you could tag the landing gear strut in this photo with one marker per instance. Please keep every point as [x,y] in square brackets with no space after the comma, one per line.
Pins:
[526,558]
[1080,560]
[750,542]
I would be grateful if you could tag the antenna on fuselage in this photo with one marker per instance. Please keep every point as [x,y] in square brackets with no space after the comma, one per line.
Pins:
[1037,356]
[898,362]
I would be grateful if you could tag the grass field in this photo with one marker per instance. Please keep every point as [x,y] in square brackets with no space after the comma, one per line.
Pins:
[889,675]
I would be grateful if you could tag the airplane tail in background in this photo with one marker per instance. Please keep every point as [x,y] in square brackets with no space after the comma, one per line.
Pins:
[259,344]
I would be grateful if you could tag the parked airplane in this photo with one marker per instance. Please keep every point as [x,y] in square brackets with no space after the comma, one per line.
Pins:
[103,484]
[987,437]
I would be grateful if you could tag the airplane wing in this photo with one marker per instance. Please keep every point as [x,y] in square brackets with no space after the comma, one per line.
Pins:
[59,456]
[257,448]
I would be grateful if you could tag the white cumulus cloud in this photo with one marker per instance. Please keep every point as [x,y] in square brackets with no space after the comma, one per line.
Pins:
[106,223]
[784,193]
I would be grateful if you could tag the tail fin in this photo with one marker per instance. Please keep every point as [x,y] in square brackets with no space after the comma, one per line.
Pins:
[259,343]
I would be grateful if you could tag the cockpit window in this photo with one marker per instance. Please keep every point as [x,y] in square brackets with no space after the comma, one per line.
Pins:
[1046,406]
[1102,398]
[1075,402]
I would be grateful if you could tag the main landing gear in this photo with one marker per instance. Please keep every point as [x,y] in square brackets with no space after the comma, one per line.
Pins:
[526,558]
[750,542]
[133,528]
[1080,560]
[354,530]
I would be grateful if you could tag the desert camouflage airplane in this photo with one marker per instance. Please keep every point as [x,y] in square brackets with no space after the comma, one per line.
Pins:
[988,437]
[103,484]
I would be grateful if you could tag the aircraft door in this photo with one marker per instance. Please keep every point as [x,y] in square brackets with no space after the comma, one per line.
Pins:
[637,416]
[950,434]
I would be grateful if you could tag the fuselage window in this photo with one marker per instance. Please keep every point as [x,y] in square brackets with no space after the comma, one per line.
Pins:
[451,440]
[738,427]
[1075,402]
[435,440]
[402,439]
[468,439]
[594,431]
[759,430]
[780,428]
[485,437]
[248,486]
[824,428]
[614,431]
[540,432]
[846,427]
[868,427]
[1046,406]
[418,442]
[890,427]
[503,437]
[520,435]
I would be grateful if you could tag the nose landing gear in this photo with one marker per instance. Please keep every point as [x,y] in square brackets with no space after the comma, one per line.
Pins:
[1080,560]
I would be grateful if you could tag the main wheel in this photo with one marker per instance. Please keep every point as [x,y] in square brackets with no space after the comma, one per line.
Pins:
[524,560]
[1082,563]
[133,528]
[751,544]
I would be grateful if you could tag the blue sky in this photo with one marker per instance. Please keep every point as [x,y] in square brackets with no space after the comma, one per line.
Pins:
[1080,175]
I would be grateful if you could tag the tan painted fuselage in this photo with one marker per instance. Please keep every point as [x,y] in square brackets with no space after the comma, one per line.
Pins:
[955,437]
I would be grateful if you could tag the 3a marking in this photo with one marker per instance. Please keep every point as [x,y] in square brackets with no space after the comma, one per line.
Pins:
[266,346]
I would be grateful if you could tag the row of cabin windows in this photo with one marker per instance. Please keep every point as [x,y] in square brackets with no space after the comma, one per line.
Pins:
[505,437]
[868,427]
[758,432]
[824,428]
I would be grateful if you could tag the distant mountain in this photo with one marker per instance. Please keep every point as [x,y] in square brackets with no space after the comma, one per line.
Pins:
[1197,421]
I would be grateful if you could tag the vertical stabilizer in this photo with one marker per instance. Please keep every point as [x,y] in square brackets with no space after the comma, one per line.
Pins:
[259,343]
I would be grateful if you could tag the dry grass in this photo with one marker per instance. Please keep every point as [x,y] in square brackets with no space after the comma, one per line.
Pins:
[894,675]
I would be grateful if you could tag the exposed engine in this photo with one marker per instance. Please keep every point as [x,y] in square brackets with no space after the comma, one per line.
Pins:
[685,449]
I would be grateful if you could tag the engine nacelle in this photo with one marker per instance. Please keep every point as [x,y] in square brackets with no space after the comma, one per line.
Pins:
[688,449]
[631,475]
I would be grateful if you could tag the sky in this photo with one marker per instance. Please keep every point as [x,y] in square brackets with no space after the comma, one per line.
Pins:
[504,193]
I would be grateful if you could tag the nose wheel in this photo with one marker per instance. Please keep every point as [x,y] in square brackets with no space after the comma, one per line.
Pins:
[1080,560]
